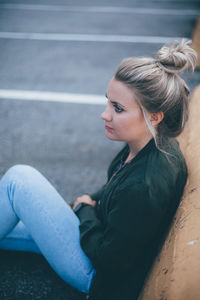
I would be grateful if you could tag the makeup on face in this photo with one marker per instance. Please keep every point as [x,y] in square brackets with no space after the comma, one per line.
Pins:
[119,107]
[123,117]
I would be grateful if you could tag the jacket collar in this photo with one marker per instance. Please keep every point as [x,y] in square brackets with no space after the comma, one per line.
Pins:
[148,147]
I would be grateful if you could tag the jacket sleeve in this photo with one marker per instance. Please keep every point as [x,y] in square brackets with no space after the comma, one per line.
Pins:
[131,224]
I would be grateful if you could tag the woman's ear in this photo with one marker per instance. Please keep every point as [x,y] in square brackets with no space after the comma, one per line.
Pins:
[156,118]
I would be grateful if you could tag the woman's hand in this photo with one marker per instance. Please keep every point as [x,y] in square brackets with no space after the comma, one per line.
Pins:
[84,199]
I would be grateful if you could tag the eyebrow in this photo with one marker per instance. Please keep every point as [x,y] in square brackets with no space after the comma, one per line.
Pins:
[114,102]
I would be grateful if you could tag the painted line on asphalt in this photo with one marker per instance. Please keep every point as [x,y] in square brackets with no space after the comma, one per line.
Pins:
[88,37]
[52,97]
[102,9]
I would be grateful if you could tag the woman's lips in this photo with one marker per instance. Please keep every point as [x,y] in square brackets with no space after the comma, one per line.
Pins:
[107,127]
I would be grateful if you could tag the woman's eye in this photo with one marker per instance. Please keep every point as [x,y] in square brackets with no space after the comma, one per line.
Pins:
[118,109]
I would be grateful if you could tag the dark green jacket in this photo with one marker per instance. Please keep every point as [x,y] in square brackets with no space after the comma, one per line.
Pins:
[122,234]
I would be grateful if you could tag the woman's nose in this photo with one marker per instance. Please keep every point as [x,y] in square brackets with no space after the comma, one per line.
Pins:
[106,115]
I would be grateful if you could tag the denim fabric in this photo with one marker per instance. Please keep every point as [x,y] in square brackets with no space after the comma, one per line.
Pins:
[35,218]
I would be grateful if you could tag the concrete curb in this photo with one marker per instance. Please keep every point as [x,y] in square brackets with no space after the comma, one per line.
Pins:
[196,40]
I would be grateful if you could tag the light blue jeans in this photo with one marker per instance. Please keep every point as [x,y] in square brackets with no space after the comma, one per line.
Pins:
[35,218]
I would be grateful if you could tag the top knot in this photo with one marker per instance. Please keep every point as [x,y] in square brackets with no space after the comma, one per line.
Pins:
[177,57]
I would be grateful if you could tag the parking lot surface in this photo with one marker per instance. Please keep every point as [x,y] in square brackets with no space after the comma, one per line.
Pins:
[64,48]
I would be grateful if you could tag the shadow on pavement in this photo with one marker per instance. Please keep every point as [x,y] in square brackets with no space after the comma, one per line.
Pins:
[28,276]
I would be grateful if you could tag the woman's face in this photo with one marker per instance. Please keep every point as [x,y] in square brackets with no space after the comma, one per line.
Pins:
[124,120]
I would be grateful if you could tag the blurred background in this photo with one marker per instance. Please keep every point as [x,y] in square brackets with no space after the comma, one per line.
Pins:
[67,51]
[56,59]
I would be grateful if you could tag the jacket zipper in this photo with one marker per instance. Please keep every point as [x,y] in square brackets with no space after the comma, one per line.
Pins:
[116,172]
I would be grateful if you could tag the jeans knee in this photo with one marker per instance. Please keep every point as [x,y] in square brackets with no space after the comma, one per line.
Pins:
[22,170]
[21,173]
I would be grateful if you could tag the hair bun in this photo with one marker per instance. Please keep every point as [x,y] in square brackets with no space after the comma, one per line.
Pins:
[177,57]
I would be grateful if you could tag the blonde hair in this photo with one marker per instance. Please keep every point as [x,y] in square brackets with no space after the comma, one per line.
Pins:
[158,87]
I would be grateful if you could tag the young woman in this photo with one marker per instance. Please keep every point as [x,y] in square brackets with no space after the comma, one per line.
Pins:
[106,244]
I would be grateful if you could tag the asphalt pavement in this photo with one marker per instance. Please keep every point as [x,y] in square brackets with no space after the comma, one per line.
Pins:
[66,47]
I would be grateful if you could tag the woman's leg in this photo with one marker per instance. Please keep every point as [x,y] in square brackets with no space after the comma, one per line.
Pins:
[27,196]
[19,239]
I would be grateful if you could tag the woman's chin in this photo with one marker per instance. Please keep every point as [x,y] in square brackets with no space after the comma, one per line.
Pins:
[110,136]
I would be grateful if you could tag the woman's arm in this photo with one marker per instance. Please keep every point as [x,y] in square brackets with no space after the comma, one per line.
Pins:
[132,222]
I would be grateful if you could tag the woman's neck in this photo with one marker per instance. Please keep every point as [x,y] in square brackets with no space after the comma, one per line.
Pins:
[136,147]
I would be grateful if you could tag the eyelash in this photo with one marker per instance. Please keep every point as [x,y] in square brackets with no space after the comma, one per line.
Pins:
[118,109]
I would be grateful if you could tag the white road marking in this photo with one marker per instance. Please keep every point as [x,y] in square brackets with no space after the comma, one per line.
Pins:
[88,37]
[102,9]
[52,97]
